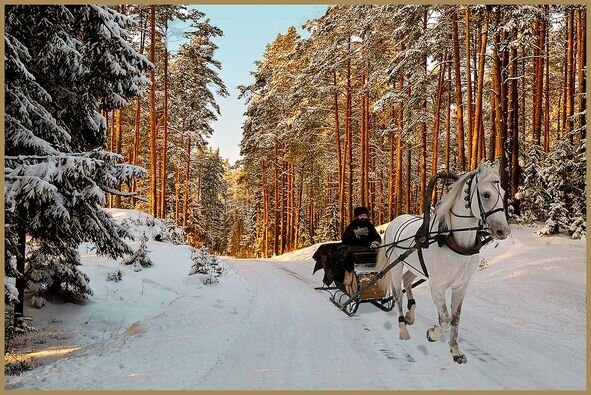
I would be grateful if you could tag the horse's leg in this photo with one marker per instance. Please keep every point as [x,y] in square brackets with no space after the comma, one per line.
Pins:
[438,296]
[397,295]
[457,298]
[407,278]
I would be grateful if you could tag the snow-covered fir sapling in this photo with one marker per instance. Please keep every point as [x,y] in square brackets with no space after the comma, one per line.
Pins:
[205,264]
[116,276]
[139,259]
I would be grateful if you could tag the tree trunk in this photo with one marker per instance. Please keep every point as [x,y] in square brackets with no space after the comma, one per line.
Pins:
[478,133]
[362,179]
[164,163]
[514,116]
[391,178]
[265,210]
[448,120]
[423,135]
[539,83]
[338,147]
[117,198]
[136,135]
[350,141]
[276,202]
[153,136]
[187,175]
[458,84]
[547,86]
[408,177]
[582,65]
[569,75]
[440,82]
[469,86]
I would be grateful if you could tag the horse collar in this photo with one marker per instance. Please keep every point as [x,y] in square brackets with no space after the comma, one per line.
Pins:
[455,247]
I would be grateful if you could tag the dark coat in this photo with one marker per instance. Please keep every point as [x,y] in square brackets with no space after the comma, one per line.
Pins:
[349,237]
[326,258]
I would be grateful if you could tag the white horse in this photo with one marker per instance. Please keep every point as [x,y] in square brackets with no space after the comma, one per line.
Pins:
[474,200]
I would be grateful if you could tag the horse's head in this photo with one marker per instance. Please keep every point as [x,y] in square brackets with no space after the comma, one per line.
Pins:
[487,201]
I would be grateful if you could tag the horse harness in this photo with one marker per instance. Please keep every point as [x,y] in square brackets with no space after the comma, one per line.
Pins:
[424,238]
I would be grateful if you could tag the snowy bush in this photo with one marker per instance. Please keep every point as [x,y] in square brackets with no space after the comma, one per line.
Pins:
[56,272]
[206,264]
[553,190]
[159,229]
[139,259]
[13,364]
[116,276]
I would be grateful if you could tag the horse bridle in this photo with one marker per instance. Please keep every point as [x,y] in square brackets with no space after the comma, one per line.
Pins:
[470,195]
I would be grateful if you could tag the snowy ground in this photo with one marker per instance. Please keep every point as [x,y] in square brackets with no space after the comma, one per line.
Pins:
[265,327]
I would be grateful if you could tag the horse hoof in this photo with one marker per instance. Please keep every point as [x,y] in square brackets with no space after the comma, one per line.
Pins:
[404,336]
[433,334]
[460,359]
[409,320]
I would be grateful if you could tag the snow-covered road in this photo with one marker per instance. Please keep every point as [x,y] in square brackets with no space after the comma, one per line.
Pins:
[265,327]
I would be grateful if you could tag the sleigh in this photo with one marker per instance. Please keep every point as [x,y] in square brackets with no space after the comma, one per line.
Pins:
[366,275]
[364,272]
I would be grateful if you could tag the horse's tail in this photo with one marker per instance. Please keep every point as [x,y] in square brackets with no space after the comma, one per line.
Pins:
[385,283]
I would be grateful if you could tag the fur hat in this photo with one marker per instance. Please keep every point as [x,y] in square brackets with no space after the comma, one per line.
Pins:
[360,210]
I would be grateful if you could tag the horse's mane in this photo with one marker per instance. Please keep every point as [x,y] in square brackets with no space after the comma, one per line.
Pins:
[443,208]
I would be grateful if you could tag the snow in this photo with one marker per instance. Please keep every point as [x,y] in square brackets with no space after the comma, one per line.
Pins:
[263,326]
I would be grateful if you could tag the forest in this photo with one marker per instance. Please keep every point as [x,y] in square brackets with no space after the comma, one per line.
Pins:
[379,98]
[362,109]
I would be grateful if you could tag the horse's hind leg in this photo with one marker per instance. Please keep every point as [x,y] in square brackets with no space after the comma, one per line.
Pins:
[407,279]
[457,297]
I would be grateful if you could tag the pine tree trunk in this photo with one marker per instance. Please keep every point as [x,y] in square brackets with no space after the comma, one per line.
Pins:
[338,147]
[298,209]
[408,177]
[398,182]
[276,202]
[547,86]
[423,131]
[362,141]
[514,115]
[458,85]
[448,121]
[469,87]
[153,136]
[569,75]
[350,142]
[265,210]
[187,175]
[440,82]
[539,83]
[165,133]
[391,178]
[283,198]
[478,134]
[177,210]
[136,135]
[117,198]
[582,64]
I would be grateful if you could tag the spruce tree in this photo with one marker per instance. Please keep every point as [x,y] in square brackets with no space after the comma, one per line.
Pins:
[64,64]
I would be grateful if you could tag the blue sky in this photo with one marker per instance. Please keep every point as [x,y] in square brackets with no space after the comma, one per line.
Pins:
[247,30]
